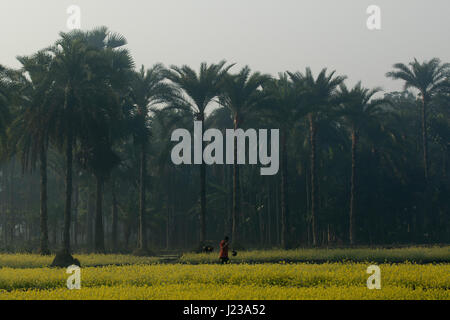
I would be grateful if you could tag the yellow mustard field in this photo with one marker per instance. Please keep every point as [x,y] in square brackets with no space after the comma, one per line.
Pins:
[88,260]
[235,281]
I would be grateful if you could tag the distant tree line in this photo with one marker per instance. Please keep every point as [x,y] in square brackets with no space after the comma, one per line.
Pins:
[85,145]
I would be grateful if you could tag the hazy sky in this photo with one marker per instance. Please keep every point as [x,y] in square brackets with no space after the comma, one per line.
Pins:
[268,35]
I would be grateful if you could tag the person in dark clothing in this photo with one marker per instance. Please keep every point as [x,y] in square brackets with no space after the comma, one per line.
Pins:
[223,256]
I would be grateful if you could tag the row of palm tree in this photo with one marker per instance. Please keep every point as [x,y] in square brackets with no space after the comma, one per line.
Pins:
[83,96]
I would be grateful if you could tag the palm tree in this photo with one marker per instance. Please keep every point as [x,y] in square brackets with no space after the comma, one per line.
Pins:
[428,77]
[319,95]
[198,91]
[112,70]
[285,109]
[70,69]
[73,65]
[242,93]
[87,67]
[148,90]
[29,131]
[358,109]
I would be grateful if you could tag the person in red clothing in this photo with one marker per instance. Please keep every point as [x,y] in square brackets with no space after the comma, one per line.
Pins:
[224,251]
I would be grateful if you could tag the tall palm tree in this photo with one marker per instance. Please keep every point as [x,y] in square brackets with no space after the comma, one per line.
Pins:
[86,66]
[198,91]
[148,91]
[358,109]
[242,94]
[428,78]
[285,109]
[111,74]
[29,131]
[70,68]
[319,95]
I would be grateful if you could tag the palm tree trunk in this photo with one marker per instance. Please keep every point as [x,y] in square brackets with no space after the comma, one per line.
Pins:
[90,218]
[312,133]
[169,207]
[43,214]
[75,214]
[427,207]
[425,135]
[142,204]
[202,191]
[353,189]
[68,204]
[99,242]
[236,198]
[284,184]
[114,218]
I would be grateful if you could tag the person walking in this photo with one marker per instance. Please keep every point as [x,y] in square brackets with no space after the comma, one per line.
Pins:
[224,245]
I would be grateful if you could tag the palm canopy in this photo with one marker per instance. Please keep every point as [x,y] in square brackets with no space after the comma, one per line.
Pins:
[318,93]
[37,96]
[357,104]
[148,92]
[430,78]
[112,71]
[427,77]
[198,90]
[5,93]
[94,68]
[242,92]
[284,105]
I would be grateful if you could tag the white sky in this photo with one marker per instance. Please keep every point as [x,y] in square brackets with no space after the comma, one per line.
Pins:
[269,35]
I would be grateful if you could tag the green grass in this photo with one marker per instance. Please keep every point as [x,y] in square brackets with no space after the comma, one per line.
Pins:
[398,255]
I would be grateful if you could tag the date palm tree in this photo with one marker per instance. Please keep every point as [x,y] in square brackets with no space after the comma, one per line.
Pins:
[358,109]
[319,95]
[285,110]
[428,78]
[148,91]
[242,93]
[30,129]
[198,91]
